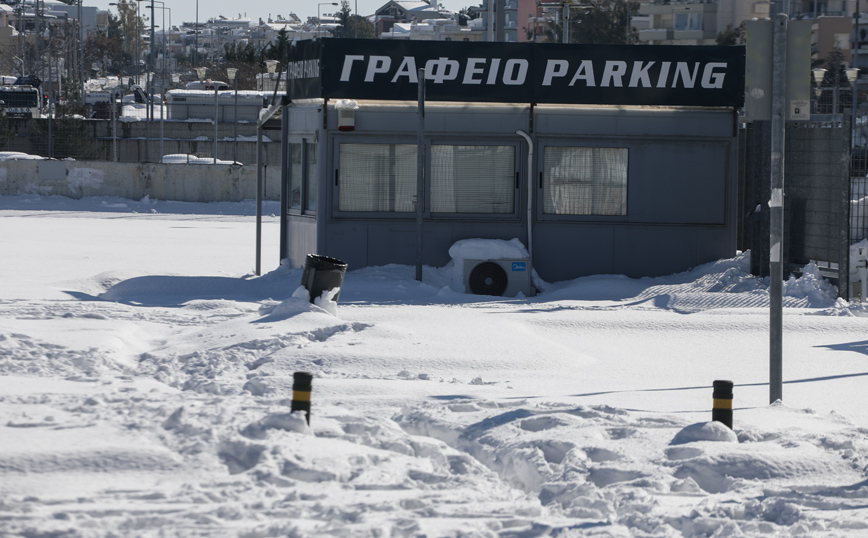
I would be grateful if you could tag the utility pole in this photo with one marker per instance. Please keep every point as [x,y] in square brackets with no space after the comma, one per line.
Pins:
[776,206]
[81,54]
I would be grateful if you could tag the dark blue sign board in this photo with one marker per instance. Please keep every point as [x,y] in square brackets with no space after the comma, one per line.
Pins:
[663,75]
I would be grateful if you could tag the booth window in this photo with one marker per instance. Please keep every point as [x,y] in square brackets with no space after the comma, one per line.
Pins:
[310,182]
[302,176]
[472,179]
[377,177]
[584,181]
[296,173]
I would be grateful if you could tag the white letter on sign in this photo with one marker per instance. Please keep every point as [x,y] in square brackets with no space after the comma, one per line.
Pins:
[613,73]
[407,69]
[710,79]
[555,68]
[440,70]
[377,64]
[348,66]
[513,76]
[585,72]
[472,70]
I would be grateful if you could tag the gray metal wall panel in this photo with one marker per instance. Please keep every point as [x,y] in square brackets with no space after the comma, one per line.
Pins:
[304,118]
[372,243]
[347,242]
[671,182]
[301,240]
[634,122]
[655,250]
[372,117]
[678,182]
[563,252]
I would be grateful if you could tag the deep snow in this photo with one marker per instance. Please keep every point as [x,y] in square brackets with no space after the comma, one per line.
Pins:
[145,387]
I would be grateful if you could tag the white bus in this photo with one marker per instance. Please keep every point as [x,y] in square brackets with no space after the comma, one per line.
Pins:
[21,101]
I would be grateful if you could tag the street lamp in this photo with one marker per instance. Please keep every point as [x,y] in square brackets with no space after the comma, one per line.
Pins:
[200,72]
[818,75]
[852,78]
[150,84]
[271,67]
[233,76]
[319,17]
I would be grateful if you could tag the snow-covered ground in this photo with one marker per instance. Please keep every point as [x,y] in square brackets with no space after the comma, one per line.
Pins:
[146,381]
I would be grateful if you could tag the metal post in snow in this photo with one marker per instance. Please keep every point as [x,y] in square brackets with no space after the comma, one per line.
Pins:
[420,171]
[259,193]
[216,115]
[114,129]
[776,207]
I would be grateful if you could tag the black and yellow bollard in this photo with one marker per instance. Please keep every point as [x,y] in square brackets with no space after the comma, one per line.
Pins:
[721,411]
[301,387]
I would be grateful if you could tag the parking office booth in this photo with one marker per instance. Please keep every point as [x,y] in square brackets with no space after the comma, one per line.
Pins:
[600,159]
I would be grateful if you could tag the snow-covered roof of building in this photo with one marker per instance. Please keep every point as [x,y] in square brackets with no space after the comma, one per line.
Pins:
[415,6]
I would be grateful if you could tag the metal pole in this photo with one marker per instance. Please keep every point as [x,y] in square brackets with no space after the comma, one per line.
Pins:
[216,116]
[856,37]
[152,66]
[356,22]
[235,148]
[627,8]
[81,53]
[420,171]
[50,119]
[136,38]
[196,52]
[163,83]
[776,207]
[114,130]
[853,104]
[258,270]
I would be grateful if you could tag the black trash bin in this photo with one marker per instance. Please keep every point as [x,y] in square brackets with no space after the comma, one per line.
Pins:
[322,273]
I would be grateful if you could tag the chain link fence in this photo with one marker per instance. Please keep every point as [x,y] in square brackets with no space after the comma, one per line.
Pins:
[190,126]
[851,98]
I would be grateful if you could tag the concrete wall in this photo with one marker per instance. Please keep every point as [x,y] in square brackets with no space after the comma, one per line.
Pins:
[179,182]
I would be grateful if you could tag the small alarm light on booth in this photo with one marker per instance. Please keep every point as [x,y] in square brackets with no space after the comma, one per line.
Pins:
[346,114]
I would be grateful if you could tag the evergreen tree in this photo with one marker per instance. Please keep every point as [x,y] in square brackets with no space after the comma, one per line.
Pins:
[353,25]
[733,35]
[602,22]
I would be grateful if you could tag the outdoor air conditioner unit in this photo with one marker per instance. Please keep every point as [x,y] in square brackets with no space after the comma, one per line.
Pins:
[498,277]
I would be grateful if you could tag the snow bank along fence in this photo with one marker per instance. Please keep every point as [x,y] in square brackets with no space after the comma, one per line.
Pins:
[179,182]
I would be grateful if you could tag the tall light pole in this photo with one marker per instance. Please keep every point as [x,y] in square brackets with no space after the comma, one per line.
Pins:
[853,79]
[200,73]
[271,67]
[818,74]
[233,76]
[319,17]
[81,53]
[150,84]
[196,52]
[163,79]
